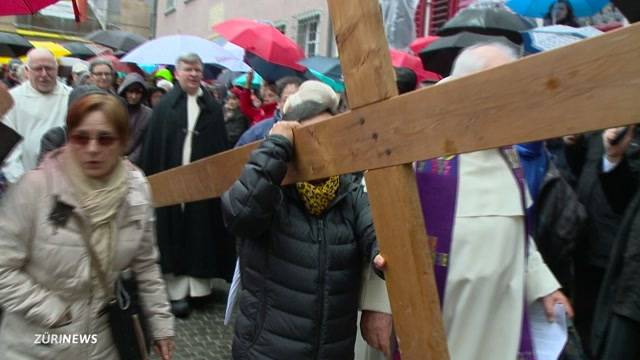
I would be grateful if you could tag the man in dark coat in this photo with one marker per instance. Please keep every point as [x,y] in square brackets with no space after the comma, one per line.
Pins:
[133,90]
[302,248]
[616,327]
[195,247]
[593,251]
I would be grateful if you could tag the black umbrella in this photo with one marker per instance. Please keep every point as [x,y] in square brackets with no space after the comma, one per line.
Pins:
[80,50]
[116,39]
[496,21]
[328,66]
[13,45]
[439,56]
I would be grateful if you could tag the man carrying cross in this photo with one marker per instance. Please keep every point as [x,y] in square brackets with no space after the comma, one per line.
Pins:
[487,269]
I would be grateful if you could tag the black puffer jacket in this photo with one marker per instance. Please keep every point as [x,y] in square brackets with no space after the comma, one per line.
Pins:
[301,274]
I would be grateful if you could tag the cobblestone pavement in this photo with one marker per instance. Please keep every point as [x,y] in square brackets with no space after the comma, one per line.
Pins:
[203,336]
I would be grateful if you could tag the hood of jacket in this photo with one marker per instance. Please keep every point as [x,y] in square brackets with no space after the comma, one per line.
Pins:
[130,79]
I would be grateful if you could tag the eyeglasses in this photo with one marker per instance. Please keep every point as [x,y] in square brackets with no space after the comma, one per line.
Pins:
[38,69]
[102,74]
[104,140]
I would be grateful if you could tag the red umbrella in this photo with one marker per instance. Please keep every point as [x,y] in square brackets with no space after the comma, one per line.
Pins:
[421,43]
[412,62]
[263,40]
[29,7]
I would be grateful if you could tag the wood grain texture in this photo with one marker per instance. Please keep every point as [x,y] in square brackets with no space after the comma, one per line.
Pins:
[589,85]
[212,175]
[364,56]
[400,228]
[410,280]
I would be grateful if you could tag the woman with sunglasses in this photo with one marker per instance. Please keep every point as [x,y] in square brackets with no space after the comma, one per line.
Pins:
[84,202]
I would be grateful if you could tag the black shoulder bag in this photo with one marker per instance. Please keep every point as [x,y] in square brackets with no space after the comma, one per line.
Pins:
[127,322]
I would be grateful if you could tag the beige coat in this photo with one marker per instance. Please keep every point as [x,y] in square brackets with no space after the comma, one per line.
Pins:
[45,269]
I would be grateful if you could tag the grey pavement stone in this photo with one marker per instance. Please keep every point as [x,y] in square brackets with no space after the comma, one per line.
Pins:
[203,336]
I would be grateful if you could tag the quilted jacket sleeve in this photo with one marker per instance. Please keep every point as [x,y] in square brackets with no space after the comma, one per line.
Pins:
[248,206]
[19,292]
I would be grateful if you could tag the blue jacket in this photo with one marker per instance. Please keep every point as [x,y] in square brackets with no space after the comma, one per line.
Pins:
[259,131]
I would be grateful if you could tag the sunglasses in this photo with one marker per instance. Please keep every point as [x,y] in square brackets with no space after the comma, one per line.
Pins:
[104,140]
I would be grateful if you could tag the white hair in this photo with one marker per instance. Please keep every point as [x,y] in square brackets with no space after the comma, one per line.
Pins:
[469,61]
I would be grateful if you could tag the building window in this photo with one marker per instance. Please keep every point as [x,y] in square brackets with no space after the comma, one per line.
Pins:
[171,5]
[308,38]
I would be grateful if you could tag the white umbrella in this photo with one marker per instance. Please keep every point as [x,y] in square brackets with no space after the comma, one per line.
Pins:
[165,50]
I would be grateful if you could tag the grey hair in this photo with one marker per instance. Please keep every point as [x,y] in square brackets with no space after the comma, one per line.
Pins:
[190,58]
[469,62]
[100,61]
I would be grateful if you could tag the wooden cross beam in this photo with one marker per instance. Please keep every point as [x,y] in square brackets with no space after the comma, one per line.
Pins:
[590,85]
[586,86]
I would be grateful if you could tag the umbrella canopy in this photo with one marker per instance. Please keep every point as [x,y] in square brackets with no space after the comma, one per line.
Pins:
[70,61]
[539,8]
[23,7]
[262,40]
[242,81]
[439,56]
[56,49]
[336,85]
[327,66]
[421,43]
[81,50]
[269,71]
[116,39]
[226,77]
[413,63]
[165,50]
[13,45]
[555,36]
[496,21]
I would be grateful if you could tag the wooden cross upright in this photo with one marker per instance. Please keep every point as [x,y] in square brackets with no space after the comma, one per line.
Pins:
[594,84]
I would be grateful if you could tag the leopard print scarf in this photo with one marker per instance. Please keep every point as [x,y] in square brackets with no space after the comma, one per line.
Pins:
[317,198]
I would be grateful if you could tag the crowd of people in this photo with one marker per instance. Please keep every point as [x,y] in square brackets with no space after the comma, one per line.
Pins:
[549,224]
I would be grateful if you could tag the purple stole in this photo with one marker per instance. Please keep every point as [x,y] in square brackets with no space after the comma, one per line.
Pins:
[438,189]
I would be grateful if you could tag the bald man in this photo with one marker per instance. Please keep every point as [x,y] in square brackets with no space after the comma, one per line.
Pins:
[40,104]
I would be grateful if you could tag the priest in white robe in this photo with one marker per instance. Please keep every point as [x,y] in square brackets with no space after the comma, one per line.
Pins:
[40,105]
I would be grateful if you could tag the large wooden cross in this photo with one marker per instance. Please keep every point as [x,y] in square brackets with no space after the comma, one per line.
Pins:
[590,85]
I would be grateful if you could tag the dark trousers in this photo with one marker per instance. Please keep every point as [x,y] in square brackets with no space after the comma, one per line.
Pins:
[622,340]
[588,282]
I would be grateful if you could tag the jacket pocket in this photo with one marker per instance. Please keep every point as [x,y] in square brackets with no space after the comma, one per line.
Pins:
[250,319]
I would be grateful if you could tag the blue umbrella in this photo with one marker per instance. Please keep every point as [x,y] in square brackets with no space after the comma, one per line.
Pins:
[165,50]
[555,36]
[327,66]
[242,81]
[539,8]
[336,85]
[269,71]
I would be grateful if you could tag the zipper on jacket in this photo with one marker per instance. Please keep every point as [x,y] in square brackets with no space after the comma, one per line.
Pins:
[322,264]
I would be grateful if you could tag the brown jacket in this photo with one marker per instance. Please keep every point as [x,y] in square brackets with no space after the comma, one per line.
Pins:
[45,269]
